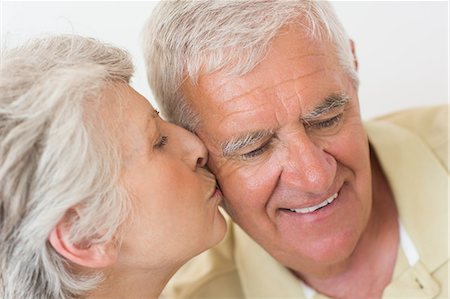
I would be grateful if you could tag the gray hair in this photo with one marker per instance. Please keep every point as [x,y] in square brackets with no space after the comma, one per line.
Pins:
[185,38]
[56,154]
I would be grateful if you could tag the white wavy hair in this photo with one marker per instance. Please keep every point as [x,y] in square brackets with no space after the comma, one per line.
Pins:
[184,39]
[56,154]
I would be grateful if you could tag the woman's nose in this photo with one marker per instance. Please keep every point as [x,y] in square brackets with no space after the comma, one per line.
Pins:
[194,151]
[203,156]
[199,152]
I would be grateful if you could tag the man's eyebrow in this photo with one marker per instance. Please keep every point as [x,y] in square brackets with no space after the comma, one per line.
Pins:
[331,102]
[235,144]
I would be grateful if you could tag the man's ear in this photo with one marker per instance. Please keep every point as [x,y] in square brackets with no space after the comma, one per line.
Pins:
[355,59]
[97,255]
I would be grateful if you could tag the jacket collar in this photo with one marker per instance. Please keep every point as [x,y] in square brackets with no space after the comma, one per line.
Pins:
[419,183]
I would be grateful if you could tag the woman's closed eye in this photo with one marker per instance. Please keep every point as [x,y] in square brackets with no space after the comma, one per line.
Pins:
[161,142]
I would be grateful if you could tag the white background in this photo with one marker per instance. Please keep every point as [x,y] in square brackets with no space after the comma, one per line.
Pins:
[402,47]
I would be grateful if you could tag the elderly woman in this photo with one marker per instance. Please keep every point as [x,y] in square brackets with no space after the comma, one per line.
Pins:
[99,197]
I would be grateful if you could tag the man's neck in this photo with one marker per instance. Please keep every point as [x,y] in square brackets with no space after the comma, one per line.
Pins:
[369,269]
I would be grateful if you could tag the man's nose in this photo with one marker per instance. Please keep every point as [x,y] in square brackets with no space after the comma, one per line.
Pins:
[308,167]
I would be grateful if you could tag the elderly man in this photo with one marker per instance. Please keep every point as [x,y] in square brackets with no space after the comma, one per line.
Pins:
[323,206]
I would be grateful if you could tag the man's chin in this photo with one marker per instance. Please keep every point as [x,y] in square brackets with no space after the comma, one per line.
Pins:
[321,259]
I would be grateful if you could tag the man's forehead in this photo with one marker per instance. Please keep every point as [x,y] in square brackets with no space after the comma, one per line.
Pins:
[284,80]
[292,47]
[238,106]
[215,130]
[231,119]
[269,81]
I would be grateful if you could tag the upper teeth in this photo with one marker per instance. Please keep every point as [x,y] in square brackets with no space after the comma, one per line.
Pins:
[318,206]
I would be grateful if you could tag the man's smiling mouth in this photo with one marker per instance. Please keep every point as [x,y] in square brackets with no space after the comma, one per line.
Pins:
[315,207]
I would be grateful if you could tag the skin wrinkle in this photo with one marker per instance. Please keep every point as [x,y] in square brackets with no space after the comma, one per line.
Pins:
[230,146]
[238,107]
[224,84]
[249,110]
[264,90]
[331,102]
[290,165]
[284,102]
[225,80]
[294,58]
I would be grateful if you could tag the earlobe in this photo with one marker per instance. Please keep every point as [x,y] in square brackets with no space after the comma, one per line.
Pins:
[95,255]
[355,59]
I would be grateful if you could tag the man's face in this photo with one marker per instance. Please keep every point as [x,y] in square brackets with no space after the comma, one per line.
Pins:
[289,150]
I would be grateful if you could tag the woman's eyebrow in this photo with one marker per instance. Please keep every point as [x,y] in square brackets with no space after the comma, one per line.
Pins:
[154,113]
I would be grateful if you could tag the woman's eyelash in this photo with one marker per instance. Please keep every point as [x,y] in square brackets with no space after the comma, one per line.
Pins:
[162,141]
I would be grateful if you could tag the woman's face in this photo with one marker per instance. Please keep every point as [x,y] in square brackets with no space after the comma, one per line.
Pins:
[174,199]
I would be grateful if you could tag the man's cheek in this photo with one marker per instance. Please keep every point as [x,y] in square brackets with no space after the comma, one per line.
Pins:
[243,187]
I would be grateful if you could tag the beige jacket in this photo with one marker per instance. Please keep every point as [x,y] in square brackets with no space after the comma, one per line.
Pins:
[412,147]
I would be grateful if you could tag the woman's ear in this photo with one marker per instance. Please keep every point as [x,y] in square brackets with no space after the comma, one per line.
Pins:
[355,59]
[96,255]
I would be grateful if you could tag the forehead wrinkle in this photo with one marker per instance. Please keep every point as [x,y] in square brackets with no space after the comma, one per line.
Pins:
[223,83]
[236,97]
[295,78]
[286,104]
[233,92]
[266,90]
[295,57]
[296,92]
[242,109]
